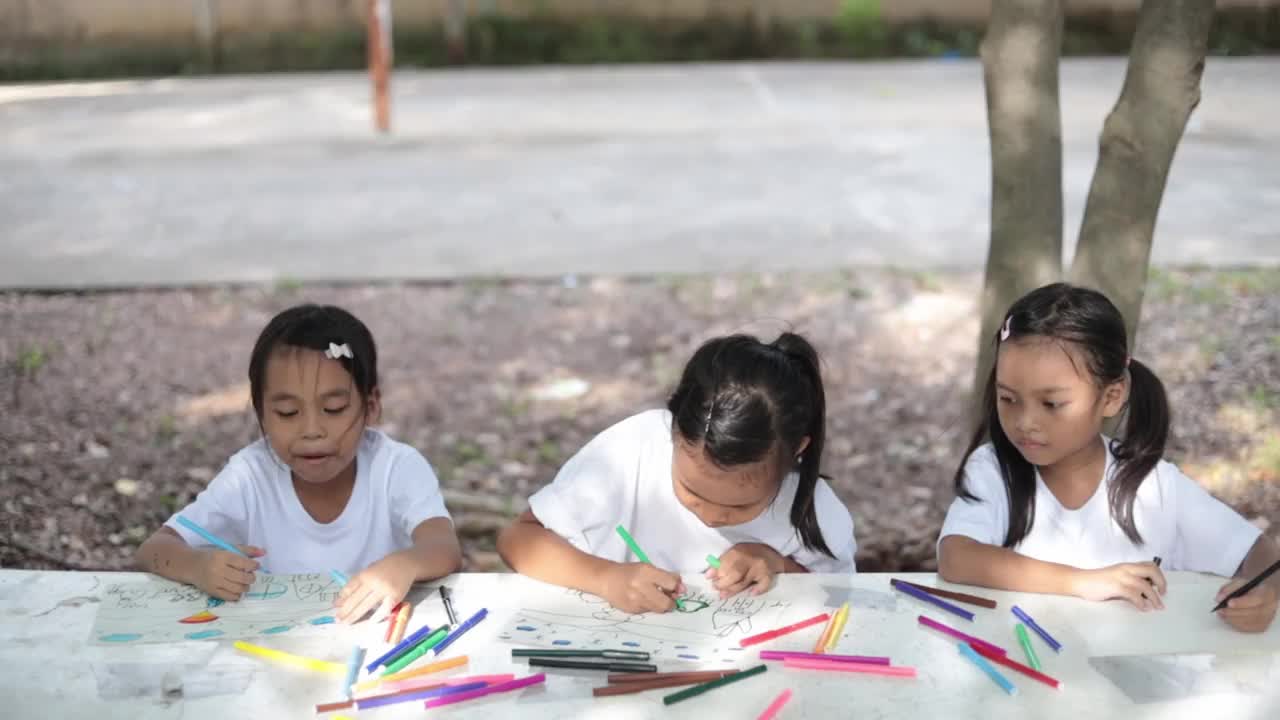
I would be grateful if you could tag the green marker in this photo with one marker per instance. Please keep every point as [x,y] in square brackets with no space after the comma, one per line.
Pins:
[1025,641]
[405,660]
[631,543]
[712,685]
[713,561]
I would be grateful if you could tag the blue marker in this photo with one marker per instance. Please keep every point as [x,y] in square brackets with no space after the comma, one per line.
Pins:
[470,623]
[988,668]
[339,577]
[210,537]
[353,670]
[404,646]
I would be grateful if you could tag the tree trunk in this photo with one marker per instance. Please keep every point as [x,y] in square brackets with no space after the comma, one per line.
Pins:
[455,31]
[1139,138]
[1020,72]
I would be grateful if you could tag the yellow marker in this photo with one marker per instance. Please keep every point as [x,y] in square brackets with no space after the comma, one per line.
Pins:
[290,659]
[416,672]
[838,627]
[821,646]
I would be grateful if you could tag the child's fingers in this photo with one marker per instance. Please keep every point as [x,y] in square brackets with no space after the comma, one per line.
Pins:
[252,551]
[238,576]
[1157,578]
[655,599]
[669,582]
[355,605]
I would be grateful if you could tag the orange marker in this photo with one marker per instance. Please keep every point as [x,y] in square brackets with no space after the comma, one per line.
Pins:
[395,628]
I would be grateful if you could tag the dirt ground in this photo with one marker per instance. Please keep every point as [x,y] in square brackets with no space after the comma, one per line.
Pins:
[119,407]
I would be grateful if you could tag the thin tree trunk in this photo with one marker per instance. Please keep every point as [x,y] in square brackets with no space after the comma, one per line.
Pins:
[1020,71]
[455,30]
[1139,138]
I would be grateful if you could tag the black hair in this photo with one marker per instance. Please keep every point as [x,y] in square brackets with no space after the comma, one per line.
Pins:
[743,399]
[314,327]
[1092,325]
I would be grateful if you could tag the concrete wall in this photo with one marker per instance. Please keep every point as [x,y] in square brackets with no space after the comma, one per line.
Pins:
[57,21]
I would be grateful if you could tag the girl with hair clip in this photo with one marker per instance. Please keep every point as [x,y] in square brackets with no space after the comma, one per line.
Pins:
[729,468]
[1046,503]
[321,490]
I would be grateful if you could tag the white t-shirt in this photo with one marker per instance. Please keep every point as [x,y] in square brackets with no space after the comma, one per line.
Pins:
[1181,523]
[252,502]
[623,477]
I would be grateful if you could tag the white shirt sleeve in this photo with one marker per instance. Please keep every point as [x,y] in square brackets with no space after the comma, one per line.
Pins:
[413,491]
[1209,536]
[222,507]
[586,500]
[837,530]
[985,519]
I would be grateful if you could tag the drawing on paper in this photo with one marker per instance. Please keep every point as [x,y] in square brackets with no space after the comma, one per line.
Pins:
[706,632]
[160,611]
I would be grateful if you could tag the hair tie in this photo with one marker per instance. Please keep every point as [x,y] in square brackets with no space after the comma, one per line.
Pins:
[706,428]
[1004,331]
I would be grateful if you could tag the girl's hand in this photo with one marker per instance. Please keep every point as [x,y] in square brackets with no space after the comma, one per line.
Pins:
[1140,583]
[1251,612]
[641,587]
[745,565]
[226,575]
[379,586]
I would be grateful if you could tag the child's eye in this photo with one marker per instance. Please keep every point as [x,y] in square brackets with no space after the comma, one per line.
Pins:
[1053,405]
[1006,399]
[286,413]
[337,411]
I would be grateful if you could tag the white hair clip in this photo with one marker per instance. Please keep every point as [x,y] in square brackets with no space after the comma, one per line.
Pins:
[336,351]
[1004,331]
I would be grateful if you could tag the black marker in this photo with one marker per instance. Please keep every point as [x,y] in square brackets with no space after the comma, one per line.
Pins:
[1245,588]
[448,606]
[605,654]
[1156,560]
[586,665]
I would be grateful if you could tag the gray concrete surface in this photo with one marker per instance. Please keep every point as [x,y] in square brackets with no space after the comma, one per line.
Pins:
[576,170]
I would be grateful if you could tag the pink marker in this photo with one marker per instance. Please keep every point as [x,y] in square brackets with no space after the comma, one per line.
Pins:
[864,668]
[523,682]
[776,705]
[767,636]
[786,655]
[961,636]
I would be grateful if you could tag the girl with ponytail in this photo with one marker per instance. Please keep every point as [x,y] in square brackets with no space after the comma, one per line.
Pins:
[1047,503]
[728,469]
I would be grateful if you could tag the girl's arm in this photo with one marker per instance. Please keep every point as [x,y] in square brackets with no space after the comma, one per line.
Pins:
[966,561]
[435,551]
[1255,610]
[222,574]
[166,554]
[531,549]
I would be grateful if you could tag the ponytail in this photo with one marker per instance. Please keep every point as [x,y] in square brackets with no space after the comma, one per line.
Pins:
[1139,449]
[804,513]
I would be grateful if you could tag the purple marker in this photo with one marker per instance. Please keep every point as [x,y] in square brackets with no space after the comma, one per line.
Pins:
[940,627]
[1057,647]
[922,595]
[380,700]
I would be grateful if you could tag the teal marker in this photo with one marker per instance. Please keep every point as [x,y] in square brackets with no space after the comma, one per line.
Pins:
[713,561]
[210,537]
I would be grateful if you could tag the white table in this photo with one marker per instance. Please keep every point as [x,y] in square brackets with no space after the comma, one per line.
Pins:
[48,669]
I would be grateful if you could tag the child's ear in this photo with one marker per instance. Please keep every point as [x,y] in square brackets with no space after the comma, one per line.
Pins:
[373,408]
[1115,396]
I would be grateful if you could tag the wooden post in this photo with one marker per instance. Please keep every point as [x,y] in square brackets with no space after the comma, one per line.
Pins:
[380,53]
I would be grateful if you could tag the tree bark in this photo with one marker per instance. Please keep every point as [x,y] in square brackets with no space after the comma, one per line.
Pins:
[1020,72]
[1139,138]
[455,31]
